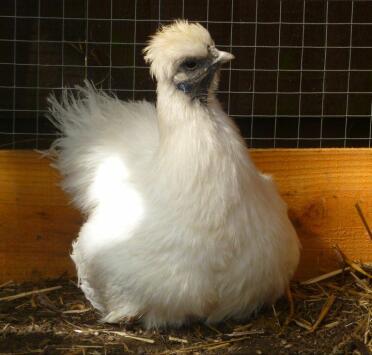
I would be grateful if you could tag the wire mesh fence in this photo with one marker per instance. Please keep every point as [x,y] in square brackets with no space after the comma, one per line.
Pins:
[302,76]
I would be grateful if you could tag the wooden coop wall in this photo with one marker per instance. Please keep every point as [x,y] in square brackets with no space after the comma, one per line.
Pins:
[321,187]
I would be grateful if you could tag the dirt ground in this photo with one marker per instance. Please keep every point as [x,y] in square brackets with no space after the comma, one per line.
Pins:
[330,317]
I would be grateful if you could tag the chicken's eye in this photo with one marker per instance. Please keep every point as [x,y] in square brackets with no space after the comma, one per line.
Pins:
[190,64]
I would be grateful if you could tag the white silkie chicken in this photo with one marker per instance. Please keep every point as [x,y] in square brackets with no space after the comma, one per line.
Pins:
[180,224]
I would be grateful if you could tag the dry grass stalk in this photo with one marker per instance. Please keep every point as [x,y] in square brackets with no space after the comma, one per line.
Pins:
[129,336]
[351,263]
[83,347]
[361,283]
[368,328]
[332,324]
[6,284]
[218,347]
[324,311]
[326,276]
[247,332]
[303,323]
[291,306]
[364,220]
[29,293]
[77,311]
[112,332]
[350,291]
[178,340]
[206,346]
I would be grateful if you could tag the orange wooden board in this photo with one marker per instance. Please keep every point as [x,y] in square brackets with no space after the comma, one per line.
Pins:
[321,187]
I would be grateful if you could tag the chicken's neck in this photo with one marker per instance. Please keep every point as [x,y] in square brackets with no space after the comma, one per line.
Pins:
[181,116]
[197,139]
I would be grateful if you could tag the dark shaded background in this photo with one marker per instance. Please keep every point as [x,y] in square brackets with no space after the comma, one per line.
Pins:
[302,76]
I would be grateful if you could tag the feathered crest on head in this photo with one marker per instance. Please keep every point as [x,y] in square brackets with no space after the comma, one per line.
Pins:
[173,42]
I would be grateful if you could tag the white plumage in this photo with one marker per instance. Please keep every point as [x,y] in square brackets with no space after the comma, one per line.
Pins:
[180,224]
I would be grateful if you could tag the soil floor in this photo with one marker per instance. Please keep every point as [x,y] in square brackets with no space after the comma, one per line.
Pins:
[330,317]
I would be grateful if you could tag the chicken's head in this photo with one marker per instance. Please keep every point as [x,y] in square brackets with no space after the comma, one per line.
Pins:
[184,55]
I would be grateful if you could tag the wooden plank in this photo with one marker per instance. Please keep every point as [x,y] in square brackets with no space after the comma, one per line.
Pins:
[37,224]
[321,187]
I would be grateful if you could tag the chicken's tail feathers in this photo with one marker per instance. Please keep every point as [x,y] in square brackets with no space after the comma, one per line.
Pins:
[96,128]
[79,117]
[76,107]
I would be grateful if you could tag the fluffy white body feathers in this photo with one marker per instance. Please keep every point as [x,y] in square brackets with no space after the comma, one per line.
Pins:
[180,224]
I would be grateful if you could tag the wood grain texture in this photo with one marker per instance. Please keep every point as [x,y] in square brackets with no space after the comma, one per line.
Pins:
[321,187]
[37,224]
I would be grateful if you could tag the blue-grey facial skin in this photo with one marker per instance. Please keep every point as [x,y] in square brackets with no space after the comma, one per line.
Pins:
[199,73]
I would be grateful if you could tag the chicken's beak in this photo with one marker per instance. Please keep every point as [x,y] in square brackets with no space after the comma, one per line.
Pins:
[223,57]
